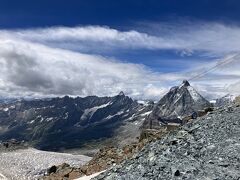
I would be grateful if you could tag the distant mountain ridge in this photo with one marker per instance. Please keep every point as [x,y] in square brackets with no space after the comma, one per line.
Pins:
[225,100]
[51,124]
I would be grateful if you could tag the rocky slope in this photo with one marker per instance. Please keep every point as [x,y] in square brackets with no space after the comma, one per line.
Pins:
[206,148]
[179,102]
[59,123]
[104,158]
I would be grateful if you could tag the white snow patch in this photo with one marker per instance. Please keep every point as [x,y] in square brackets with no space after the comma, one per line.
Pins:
[12,107]
[88,113]
[213,101]
[144,103]
[31,121]
[90,177]
[42,119]
[5,109]
[117,114]
[49,119]
[194,93]
[132,116]
[146,113]
[141,109]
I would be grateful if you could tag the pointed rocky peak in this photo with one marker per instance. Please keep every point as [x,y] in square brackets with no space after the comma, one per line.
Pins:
[185,83]
[180,101]
[121,93]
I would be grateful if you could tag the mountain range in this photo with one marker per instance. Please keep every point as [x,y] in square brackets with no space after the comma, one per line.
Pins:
[58,123]
[67,122]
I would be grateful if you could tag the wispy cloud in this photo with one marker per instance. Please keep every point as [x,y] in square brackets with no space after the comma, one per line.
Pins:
[209,37]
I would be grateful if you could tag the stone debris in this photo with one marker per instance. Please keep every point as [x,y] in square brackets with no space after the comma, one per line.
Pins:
[105,158]
[205,148]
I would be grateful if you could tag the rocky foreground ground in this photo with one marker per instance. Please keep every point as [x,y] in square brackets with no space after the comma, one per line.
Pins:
[30,164]
[206,148]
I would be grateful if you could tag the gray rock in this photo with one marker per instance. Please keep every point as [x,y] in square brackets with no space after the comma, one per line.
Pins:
[207,148]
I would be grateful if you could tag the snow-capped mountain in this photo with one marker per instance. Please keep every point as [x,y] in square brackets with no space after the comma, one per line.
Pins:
[67,122]
[225,100]
[179,102]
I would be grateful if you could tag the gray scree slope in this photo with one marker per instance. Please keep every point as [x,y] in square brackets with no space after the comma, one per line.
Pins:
[207,148]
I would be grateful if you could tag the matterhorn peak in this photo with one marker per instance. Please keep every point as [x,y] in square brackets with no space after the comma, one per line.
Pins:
[180,101]
[185,83]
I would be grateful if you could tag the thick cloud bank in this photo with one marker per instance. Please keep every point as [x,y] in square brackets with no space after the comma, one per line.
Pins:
[29,69]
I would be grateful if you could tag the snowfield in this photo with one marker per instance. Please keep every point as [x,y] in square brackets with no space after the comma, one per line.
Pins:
[30,164]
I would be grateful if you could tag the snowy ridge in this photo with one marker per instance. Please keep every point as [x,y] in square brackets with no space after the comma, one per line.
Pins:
[146,113]
[88,113]
[117,114]
[195,95]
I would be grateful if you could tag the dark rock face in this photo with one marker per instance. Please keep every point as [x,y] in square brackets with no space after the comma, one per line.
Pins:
[52,169]
[206,148]
[179,102]
[51,124]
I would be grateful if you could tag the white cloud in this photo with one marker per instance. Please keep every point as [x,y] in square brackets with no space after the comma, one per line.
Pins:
[33,62]
[29,69]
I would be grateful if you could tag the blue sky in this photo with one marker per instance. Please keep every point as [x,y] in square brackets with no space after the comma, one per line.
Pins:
[146,46]
[118,14]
